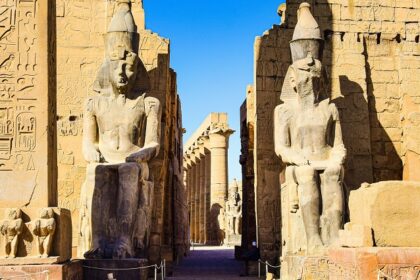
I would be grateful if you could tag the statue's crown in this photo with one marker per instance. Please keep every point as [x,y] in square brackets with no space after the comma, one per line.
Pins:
[307,35]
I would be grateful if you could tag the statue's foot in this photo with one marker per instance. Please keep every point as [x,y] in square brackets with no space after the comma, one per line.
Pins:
[45,255]
[94,254]
[7,256]
[315,246]
[12,256]
[121,250]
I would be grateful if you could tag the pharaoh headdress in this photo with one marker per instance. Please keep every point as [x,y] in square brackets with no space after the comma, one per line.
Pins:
[306,40]
[122,39]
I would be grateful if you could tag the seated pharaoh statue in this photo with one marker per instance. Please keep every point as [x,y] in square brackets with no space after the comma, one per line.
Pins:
[308,140]
[121,134]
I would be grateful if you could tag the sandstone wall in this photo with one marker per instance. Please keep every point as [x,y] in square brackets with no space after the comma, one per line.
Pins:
[80,29]
[27,97]
[372,57]
[247,162]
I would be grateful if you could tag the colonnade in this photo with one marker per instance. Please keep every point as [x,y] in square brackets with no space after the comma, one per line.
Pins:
[205,164]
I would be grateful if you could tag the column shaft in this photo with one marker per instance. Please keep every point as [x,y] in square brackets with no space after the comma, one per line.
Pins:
[197,202]
[207,196]
[219,184]
[202,199]
[193,176]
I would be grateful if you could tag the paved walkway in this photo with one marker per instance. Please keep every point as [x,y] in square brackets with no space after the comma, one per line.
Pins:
[210,263]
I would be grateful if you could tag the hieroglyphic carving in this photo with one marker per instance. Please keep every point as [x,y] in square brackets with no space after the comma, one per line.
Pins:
[399,272]
[18,62]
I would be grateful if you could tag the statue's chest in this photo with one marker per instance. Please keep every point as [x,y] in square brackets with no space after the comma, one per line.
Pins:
[128,115]
[311,124]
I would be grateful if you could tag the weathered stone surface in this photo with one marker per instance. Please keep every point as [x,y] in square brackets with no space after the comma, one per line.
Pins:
[354,264]
[27,112]
[391,209]
[69,271]
[355,235]
[247,117]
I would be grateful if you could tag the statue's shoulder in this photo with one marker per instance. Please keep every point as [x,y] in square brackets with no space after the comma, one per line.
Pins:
[332,108]
[284,111]
[151,103]
[92,103]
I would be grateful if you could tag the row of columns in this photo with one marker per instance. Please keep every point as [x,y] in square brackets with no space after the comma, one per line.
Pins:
[207,184]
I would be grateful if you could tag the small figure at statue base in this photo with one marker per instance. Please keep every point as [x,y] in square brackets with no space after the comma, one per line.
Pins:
[11,228]
[44,229]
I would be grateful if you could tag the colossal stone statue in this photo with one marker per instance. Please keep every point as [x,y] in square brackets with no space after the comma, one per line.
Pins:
[121,135]
[308,139]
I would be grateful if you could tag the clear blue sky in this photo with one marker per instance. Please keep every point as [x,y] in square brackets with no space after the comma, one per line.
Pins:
[212,50]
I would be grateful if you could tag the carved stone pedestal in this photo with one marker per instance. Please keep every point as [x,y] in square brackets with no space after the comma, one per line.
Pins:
[27,251]
[68,271]
[99,269]
[233,239]
[354,264]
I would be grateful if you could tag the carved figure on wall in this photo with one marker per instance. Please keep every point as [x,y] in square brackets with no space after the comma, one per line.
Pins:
[308,138]
[234,210]
[11,228]
[44,229]
[121,134]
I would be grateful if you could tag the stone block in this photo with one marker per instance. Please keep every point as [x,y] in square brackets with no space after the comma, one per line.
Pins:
[391,209]
[374,263]
[27,252]
[121,269]
[69,271]
[406,15]
[355,235]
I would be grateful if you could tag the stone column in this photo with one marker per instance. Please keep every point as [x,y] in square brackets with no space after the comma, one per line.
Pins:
[188,185]
[207,195]
[202,198]
[192,187]
[219,143]
[197,201]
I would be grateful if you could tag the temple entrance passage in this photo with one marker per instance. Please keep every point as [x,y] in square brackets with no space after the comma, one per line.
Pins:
[210,262]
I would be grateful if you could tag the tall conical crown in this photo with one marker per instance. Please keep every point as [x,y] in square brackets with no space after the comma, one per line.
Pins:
[307,35]
[122,30]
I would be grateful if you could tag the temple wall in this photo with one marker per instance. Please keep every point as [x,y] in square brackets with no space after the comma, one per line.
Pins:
[247,162]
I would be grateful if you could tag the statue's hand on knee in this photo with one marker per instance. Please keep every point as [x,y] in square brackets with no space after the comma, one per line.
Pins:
[139,157]
[92,155]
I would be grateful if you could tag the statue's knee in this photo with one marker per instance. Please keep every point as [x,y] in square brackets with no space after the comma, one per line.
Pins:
[333,174]
[305,174]
[129,167]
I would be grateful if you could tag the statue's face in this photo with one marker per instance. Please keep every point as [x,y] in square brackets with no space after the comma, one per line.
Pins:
[123,72]
[46,213]
[13,213]
[306,77]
